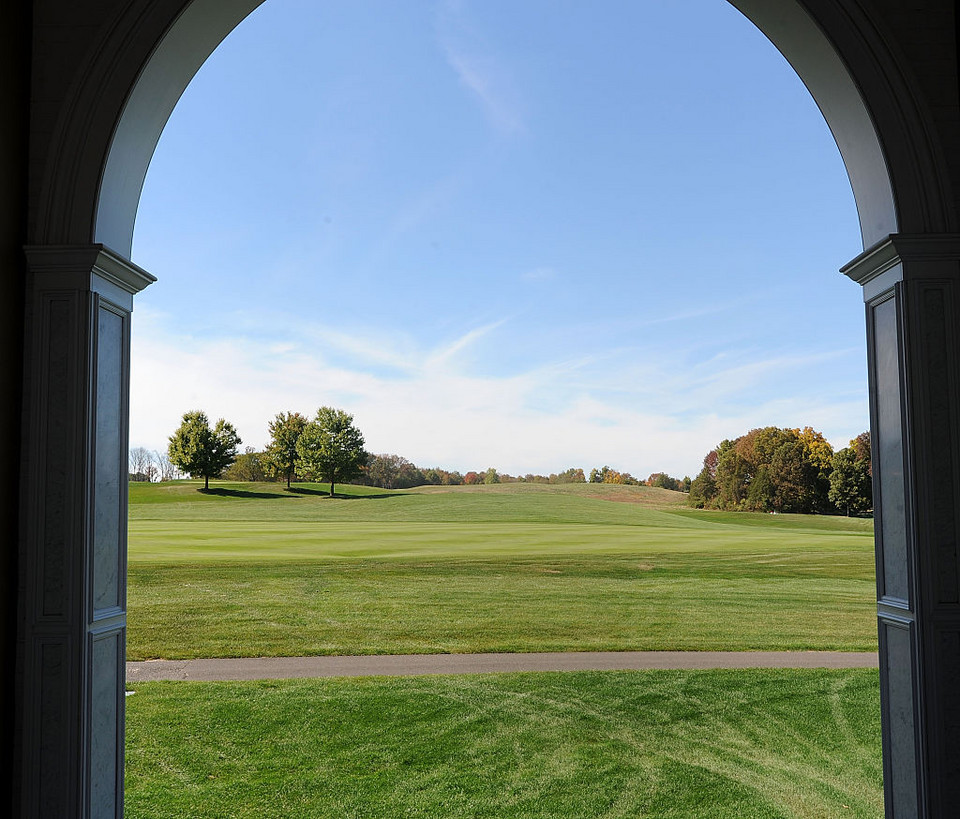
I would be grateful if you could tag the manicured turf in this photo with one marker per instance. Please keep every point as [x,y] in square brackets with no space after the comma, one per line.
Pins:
[745,744]
[254,570]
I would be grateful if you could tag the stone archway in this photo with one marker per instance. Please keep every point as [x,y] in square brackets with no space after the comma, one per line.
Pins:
[98,109]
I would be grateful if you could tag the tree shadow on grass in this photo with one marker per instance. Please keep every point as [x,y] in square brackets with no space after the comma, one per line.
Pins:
[323,493]
[243,493]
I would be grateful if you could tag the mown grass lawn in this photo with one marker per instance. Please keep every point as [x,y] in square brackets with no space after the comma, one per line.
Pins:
[253,570]
[717,744]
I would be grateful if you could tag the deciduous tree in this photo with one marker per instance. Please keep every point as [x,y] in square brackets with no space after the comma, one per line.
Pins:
[166,469]
[571,475]
[142,467]
[330,447]
[200,451]
[247,467]
[851,482]
[663,481]
[703,488]
[281,453]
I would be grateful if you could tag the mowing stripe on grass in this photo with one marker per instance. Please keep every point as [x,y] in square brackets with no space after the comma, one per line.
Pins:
[760,744]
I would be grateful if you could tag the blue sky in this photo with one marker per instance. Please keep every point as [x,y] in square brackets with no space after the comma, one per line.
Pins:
[528,235]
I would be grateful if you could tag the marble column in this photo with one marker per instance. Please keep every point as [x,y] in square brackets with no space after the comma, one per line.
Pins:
[73,541]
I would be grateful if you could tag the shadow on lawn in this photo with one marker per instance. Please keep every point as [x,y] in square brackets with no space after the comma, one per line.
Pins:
[243,493]
[323,493]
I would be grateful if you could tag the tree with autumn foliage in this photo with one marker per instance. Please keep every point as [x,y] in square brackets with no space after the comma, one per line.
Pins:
[664,481]
[395,472]
[768,469]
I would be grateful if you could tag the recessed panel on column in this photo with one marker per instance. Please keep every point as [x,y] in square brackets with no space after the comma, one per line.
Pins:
[896,652]
[55,729]
[938,388]
[111,462]
[106,726]
[888,447]
[58,390]
[948,680]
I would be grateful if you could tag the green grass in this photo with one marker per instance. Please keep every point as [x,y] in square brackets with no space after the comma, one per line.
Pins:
[256,571]
[746,744]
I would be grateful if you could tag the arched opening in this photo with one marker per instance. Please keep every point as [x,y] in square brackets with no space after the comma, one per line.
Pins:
[195,34]
[901,182]
[407,244]
[157,269]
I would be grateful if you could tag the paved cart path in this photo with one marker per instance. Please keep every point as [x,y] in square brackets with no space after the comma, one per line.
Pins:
[392,665]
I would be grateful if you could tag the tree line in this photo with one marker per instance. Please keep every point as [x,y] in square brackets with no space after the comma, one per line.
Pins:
[328,448]
[768,469]
[786,470]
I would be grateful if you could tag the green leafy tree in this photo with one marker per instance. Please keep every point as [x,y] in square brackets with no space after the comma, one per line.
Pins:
[783,479]
[200,451]
[394,472]
[433,476]
[734,472]
[281,455]
[851,481]
[703,489]
[491,476]
[330,448]
[572,475]
[663,481]
[247,467]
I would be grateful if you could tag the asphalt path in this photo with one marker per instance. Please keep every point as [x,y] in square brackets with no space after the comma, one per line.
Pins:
[396,665]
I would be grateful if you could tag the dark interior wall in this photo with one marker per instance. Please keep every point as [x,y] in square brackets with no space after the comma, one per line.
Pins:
[926,33]
[14,95]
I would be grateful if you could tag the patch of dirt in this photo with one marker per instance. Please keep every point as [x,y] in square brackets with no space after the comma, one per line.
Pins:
[639,498]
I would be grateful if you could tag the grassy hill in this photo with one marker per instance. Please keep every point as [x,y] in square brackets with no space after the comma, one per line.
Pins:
[607,504]
[252,569]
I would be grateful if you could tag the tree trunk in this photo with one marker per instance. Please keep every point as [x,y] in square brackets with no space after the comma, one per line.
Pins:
[206,481]
[331,489]
[289,472]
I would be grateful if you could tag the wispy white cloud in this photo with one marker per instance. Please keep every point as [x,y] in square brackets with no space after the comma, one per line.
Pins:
[483,73]
[423,206]
[432,408]
[447,352]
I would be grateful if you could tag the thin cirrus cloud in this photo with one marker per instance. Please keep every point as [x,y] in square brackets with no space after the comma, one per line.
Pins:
[479,70]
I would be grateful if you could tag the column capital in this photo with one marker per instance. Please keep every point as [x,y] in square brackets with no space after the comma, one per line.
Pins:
[75,265]
[898,249]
